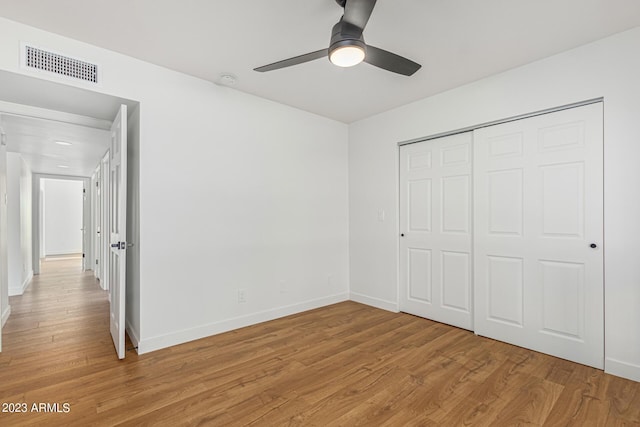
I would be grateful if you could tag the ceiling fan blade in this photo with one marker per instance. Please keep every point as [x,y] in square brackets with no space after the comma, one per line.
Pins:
[357,13]
[390,61]
[294,61]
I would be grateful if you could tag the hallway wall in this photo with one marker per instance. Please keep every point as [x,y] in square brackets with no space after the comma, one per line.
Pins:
[19,201]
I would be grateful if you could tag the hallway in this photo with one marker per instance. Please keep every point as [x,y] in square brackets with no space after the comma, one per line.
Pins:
[58,330]
[62,307]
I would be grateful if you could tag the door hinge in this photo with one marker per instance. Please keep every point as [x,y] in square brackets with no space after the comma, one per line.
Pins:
[82,255]
[84,191]
[96,262]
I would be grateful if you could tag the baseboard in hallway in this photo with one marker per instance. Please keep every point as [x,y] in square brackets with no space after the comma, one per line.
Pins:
[61,257]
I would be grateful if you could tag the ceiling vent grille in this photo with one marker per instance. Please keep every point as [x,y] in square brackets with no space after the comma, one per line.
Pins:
[59,64]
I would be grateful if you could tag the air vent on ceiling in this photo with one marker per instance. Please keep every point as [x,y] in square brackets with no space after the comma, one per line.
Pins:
[59,64]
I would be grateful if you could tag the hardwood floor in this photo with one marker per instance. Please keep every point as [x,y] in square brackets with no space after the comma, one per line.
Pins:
[346,364]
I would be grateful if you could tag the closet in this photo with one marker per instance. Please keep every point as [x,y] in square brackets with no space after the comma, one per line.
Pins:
[501,232]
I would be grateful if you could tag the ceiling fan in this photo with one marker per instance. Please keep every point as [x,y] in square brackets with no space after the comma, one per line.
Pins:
[347,47]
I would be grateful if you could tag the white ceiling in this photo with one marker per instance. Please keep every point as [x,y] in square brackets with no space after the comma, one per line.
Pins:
[35,140]
[456,41]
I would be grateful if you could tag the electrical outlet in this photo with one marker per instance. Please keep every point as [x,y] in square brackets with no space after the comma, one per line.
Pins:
[242,296]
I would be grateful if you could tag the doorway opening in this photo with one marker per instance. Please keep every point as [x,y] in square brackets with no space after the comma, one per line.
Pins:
[62,220]
[52,128]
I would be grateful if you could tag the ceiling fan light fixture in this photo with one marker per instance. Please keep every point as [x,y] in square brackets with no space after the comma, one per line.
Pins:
[347,47]
[347,55]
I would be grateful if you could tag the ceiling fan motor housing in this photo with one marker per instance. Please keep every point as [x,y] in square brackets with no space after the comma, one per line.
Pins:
[342,36]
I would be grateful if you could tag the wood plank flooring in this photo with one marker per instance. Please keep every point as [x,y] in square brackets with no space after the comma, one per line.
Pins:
[342,365]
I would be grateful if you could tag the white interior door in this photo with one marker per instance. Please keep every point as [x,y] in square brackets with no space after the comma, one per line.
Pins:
[96,213]
[4,258]
[87,247]
[538,233]
[105,249]
[436,228]
[117,228]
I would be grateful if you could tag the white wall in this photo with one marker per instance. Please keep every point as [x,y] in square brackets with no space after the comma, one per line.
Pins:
[63,215]
[608,68]
[236,192]
[26,223]
[14,247]
[5,308]
[39,204]
[19,191]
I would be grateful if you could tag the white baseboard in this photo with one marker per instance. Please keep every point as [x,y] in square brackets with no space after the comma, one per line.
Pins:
[622,369]
[5,315]
[20,290]
[180,337]
[374,302]
[133,336]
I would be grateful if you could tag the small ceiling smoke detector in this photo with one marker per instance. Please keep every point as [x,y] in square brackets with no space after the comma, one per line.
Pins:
[63,143]
[227,79]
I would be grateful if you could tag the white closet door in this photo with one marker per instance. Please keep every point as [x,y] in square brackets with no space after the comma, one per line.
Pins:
[538,200]
[435,227]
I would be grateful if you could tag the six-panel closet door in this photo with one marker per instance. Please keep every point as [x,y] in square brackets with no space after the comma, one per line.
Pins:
[502,232]
[538,233]
[435,224]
